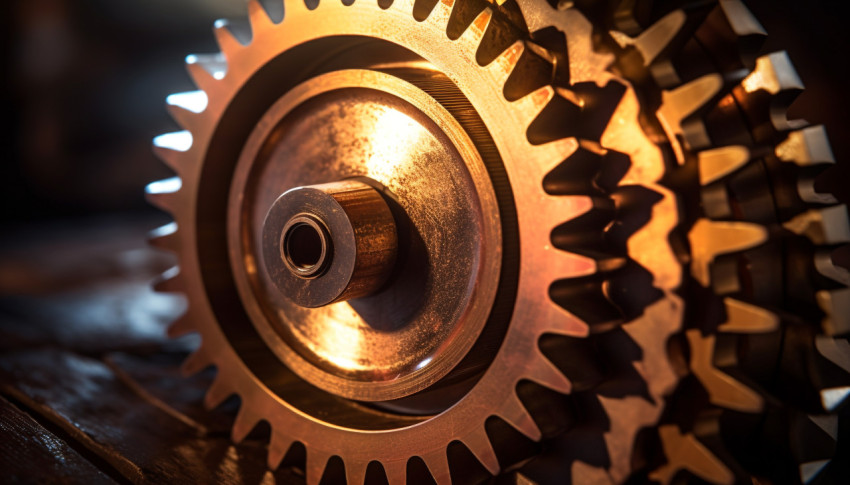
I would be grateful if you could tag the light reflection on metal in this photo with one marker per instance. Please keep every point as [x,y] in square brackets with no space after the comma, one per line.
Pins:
[194,101]
[179,141]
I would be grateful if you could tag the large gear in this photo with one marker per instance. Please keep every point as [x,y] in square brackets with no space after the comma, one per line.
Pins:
[621,178]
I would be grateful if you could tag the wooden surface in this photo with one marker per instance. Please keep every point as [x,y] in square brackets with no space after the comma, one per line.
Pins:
[90,389]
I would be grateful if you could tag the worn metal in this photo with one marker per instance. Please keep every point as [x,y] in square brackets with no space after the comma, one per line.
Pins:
[328,243]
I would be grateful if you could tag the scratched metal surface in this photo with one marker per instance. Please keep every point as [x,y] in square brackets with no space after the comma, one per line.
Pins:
[90,388]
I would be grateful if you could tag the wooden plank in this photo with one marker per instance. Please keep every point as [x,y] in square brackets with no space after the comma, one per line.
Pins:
[158,377]
[29,453]
[85,398]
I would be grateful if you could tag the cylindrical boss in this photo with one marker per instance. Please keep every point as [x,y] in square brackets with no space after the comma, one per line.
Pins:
[329,242]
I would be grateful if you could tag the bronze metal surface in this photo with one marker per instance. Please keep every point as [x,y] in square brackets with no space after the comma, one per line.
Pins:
[366,125]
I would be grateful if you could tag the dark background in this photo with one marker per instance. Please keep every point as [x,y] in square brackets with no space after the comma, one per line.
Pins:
[84,89]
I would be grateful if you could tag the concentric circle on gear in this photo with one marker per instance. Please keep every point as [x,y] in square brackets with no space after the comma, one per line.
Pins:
[369,125]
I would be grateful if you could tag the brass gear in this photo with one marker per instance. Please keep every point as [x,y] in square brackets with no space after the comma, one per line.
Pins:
[588,153]
[745,179]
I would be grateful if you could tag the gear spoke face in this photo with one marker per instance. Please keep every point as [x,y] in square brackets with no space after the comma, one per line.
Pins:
[410,228]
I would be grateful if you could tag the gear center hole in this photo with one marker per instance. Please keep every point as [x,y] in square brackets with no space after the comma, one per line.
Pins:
[304,246]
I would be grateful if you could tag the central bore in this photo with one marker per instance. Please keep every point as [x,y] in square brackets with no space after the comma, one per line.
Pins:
[305,246]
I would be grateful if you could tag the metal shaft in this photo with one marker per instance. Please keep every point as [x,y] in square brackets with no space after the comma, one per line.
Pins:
[330,242]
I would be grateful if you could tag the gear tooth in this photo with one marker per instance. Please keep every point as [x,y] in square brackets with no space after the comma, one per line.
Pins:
[279,445]
[175,160]
[317,460]
[683,101]
[479,444]
[836,351]
[809,471]
[562,208]
[195,362]
[515,414]
[544,372]
[471,38]
[828,225]
[774,73]
[355,472]
[836,305]
[833,397]
[529,107]
[405,6]
[561,322]
[246,420]
[396,472]
[165,237]
[544,158]
[746,318]
[685,452]
[165,186]
[579,33]
[206,69]
[828,423]
[710,239]
[807,192]
[178,141]
[505,63]
[809,146]
[655,38]
[560,263]
[742,21]
[722,389]
[719,162]
[440,14]
[746,27]
[260,18]
[231,36]
[438,465]
[825,266]
[185,118]
[217,392]
[194,101]
[169,281]
[164,194]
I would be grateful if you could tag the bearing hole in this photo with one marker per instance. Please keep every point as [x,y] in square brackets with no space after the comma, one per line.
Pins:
[304,248]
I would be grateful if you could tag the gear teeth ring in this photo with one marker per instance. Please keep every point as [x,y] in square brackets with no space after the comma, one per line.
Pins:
[219,76]
[639,163]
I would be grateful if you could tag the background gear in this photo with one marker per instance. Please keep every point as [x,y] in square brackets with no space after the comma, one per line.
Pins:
[602,132]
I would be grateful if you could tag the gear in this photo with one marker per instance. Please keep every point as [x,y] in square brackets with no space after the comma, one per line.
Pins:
[587,297]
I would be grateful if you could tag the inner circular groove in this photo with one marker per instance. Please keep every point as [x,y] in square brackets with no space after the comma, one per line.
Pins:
[304,246]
